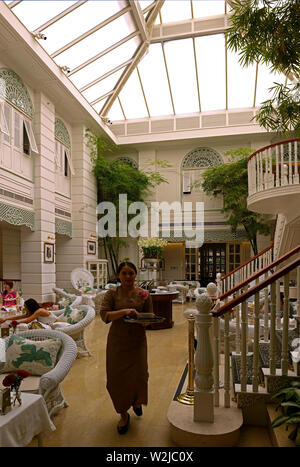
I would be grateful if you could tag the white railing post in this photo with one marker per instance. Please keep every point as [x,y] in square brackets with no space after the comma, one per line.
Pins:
[285,327]
[298,291]
[204,390]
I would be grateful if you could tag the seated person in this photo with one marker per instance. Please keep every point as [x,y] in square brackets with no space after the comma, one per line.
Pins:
[291,316]
[8,296]
[33,312]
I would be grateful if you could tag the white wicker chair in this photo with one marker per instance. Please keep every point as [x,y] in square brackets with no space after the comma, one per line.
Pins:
[48,385]
[76,331]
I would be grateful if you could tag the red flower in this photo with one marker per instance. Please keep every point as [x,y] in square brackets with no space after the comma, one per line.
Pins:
[9,380]
[143,294]
[14,323]
[22,374]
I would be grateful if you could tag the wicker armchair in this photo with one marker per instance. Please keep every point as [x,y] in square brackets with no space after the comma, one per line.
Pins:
[48,384]
[76,331]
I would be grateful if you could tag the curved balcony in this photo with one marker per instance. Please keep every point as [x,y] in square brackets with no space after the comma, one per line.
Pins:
[273,178]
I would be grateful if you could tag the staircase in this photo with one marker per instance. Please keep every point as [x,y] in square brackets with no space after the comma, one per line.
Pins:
[262,364]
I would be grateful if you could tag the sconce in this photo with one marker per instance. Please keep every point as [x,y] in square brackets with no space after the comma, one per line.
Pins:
[93,237]
[51,237]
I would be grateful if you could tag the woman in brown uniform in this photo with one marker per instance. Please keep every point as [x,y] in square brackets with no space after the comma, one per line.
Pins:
[126,351]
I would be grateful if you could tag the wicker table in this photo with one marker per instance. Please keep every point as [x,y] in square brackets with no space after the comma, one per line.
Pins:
[162,306]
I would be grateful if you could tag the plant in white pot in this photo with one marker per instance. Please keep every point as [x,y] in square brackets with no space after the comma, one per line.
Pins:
[152,247]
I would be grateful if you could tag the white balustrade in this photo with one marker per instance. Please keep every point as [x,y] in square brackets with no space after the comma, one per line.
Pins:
[274,166]
[204,390]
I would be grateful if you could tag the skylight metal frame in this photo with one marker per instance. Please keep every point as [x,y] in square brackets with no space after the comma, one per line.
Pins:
[91,31]
[59,16]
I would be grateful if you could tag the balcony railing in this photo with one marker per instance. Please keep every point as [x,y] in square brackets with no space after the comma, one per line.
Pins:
[274,166]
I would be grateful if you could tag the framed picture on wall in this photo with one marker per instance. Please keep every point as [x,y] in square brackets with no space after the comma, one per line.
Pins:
[91,248]
[48,252]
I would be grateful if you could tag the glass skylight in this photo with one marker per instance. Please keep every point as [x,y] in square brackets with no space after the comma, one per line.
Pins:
[98,39]
[210,51]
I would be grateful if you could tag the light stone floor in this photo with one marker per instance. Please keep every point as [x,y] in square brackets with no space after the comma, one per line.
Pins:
[90,419]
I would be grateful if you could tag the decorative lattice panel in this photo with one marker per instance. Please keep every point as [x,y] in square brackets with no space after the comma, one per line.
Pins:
[14,91]
[61,133]
[201,158]
[17,216]
[63,227]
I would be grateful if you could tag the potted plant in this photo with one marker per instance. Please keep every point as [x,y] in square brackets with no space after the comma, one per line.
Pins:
[290,410]
[152,247]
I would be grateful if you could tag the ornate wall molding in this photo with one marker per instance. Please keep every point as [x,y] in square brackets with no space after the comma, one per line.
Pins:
[127,160]
[17,216]
[201,158]
[14,91]
[63,227]
[61,133]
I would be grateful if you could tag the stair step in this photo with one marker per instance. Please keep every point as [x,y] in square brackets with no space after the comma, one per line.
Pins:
[275,383]
[253,404]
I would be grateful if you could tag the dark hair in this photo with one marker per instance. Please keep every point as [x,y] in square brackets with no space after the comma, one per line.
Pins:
[9,283]
[126,263]
[32,305]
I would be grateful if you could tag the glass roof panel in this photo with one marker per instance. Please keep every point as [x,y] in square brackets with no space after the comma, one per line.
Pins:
[132,98]
[94,44]
[154,78]
[177,10]
[103,87]
[34,13]
[210,53]
[208,8]
[179,55]
[77,22]
[266,80]
[241,82]
[115,112]
[181,67]
[104,64]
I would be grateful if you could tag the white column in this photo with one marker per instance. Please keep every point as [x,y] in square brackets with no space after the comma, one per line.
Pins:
[84,204]
[38,276]
[204,391]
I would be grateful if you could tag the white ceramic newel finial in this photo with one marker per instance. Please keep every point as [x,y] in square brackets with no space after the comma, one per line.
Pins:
[203,303]
[212,290]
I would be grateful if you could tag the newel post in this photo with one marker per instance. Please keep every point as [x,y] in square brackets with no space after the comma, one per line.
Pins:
[204,389]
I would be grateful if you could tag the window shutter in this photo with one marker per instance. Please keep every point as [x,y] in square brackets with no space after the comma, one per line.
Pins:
[30,135]
[57,154]
[186,182]
[17,140]
[70,161]
[4,119]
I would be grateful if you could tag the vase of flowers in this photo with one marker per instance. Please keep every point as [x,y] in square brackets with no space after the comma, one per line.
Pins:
[152,247]
[14,380]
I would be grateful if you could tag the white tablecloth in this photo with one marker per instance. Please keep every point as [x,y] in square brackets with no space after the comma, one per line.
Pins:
[22,423]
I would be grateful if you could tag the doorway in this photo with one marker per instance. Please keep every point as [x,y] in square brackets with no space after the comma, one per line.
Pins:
[212,259]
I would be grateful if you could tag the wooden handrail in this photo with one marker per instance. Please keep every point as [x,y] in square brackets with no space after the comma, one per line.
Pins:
[248,261]
[272,146]
[260,272]
[255,289]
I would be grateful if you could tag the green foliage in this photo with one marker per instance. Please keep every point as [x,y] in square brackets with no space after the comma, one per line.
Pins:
[267,31]
[290,409]
[115,178]
[231,181]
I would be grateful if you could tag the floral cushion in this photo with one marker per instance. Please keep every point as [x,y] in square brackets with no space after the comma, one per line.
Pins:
[64,301]
[36,357]
[72,315]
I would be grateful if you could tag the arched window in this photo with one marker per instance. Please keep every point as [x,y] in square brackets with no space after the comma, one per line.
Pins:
[128,161]
[63,149]
[199,158]
[16,113]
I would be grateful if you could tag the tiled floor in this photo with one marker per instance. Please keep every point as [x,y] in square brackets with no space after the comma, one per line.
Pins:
[90,419]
